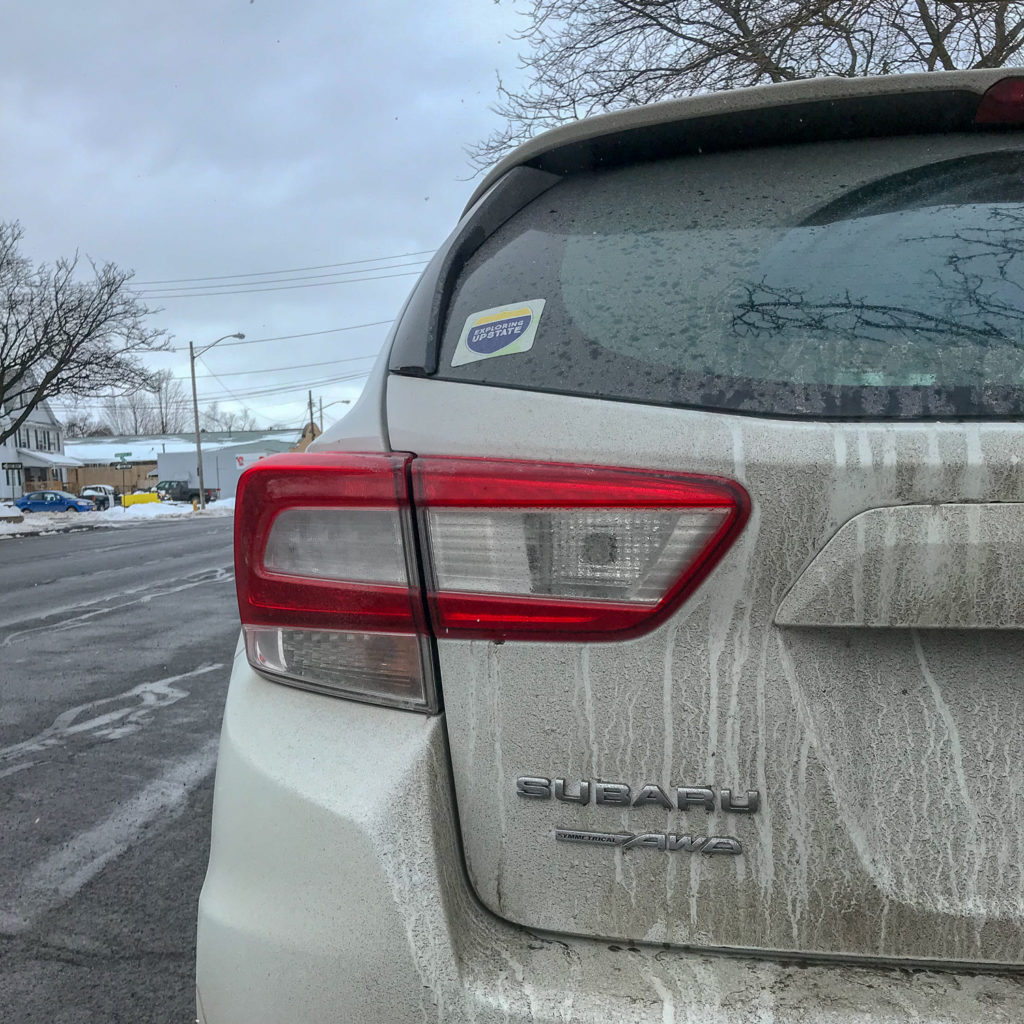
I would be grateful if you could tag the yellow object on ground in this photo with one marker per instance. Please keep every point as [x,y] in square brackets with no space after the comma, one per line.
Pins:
[138,499]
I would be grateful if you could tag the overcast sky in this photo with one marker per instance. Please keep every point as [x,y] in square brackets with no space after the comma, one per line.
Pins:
[208,138]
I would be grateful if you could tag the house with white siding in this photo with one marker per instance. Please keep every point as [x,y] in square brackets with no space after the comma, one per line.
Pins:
[33,456]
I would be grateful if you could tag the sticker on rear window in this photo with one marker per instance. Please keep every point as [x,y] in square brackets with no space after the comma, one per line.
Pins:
[500,331]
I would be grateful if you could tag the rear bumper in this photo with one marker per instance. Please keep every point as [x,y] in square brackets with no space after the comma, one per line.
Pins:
[336,892]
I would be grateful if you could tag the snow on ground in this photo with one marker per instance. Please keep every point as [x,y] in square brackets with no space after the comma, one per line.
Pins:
[118,516]
[56,522]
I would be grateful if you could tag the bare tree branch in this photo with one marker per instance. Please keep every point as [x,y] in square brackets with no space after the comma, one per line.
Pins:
[590,56]
[66,334]
[213,417]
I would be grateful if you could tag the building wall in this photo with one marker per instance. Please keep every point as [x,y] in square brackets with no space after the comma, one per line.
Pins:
[11,480]
[310,432]
[16,482]
[36,478]
[136,474]
[221,468]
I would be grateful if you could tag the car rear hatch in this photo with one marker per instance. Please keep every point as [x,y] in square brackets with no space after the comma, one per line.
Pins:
[819,750]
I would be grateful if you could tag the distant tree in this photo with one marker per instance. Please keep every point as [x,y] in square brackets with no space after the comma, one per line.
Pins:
[79,419]
[590,56]
[131,413]
[65,336]
[170,404]
[213,417]
[80,423]
[163,409]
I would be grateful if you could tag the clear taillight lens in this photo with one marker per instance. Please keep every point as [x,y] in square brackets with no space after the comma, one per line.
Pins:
[338,544]
[593,554]
[385,668]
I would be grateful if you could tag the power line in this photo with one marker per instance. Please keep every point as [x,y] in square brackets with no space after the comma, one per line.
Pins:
[230,392]
[288,337]
[243,396]
[250,393]
[277,280]
[303,386]
[246,394]
[275,369]
[284,288]
[267,390]
[290,270]
[259,391]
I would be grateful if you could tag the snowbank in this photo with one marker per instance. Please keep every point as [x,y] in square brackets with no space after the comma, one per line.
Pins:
[118,516]
[57,522]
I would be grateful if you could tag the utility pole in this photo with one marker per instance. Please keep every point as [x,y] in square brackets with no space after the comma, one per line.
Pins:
[321,414]
[195,413]
[195,407]
[312,424]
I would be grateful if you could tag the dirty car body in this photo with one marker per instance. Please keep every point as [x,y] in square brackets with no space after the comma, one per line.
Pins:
[645,645]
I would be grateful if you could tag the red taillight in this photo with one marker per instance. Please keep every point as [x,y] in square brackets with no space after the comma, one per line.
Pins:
[1003,103]
[540,551]
[328,588]
[319,543]
[327,564]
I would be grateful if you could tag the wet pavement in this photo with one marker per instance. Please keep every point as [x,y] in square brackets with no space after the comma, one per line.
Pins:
[115,649]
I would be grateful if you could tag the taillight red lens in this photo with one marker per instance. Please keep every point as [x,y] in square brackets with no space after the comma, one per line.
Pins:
[328,589]
[327,565]
[1003,103]
[542,551]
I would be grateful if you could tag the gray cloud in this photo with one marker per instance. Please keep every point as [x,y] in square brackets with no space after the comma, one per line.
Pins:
[201,139]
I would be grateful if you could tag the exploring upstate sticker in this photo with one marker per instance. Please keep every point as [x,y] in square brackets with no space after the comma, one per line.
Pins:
[498,332]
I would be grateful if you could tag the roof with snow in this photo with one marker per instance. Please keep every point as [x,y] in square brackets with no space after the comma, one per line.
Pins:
[101,451]
[46,460]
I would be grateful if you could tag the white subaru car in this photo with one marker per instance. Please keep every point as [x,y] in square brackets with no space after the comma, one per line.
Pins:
[647,645]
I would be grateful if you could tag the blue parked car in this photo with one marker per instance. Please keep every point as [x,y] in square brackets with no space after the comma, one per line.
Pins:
[53,501]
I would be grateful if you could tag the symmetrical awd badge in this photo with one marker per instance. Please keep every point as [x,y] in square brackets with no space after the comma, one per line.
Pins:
[618,794]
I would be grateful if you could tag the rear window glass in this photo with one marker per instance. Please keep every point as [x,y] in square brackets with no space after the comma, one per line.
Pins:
[870,279]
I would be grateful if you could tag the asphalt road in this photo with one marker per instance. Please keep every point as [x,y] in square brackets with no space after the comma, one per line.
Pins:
[115,649]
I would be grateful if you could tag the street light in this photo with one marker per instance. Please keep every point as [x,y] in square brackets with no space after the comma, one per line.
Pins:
[192,353]
[339,401]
